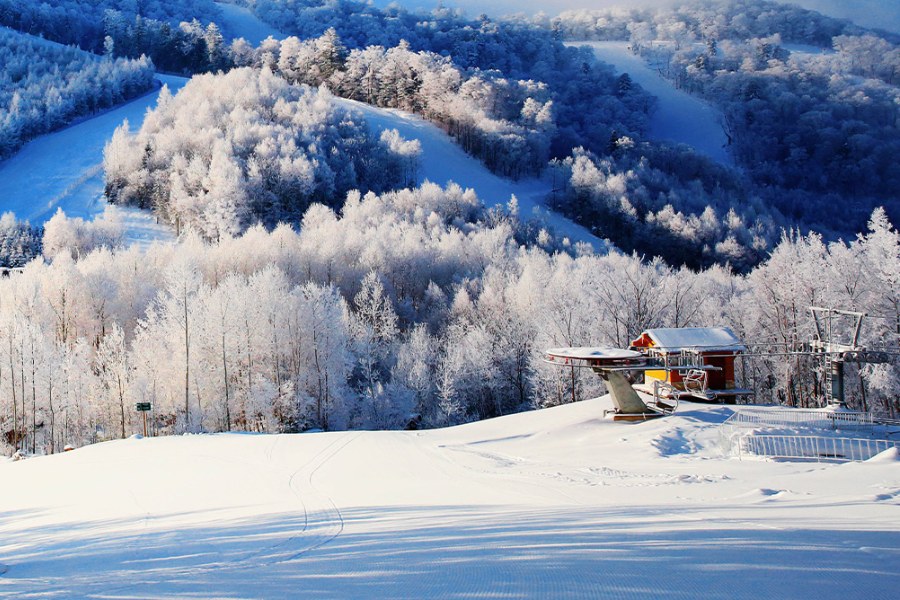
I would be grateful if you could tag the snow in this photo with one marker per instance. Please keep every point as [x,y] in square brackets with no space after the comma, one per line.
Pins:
[238,21]
[804,53]
[499,8]
[555,503]
[443,161]
[705,338]
[679,117]
[806,49]
[64,170]
[878,14]
[890,455]
[588,353]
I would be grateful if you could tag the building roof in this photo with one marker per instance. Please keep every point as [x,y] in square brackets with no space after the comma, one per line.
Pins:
[694,338]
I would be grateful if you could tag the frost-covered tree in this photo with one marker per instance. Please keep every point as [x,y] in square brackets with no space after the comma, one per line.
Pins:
[45,86]
[230,150]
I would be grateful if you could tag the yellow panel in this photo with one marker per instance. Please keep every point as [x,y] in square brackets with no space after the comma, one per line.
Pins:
[660,375]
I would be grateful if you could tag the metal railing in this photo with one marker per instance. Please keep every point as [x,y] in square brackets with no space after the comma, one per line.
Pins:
[811,447]
[798,417]
[744,433]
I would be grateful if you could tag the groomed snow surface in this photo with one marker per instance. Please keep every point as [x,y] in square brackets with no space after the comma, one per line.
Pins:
[557,503]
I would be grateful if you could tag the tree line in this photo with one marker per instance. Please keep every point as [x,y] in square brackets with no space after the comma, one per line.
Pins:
[246,147]
[44,86]
[814,126]
[413,308]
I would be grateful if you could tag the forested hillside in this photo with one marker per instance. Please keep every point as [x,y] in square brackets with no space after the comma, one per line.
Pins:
[409,308]
[314,287]
[245,147]
[43,86]
[588,102]
[86,22]
[815,125]
[812,133]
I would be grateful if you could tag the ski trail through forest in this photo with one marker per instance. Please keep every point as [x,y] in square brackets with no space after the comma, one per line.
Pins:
[63,170]
[679,117]
[442,161]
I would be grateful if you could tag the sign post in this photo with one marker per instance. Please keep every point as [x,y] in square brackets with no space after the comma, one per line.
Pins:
[143,408]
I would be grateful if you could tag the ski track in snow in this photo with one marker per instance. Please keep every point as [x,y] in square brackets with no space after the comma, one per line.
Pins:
[679,117]
[321,523]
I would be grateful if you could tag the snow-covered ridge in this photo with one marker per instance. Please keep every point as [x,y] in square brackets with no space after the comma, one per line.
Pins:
[552,503]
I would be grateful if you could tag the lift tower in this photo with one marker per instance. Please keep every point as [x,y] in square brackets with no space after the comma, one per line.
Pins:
[840,345]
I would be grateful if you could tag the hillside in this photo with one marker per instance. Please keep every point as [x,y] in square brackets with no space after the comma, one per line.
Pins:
[278,280]
[238,21]
[442,161]
[44,86]
[552,503]
[679,117]
[63,170]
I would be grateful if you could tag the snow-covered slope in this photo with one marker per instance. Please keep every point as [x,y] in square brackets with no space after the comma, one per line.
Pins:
[497,8]
[880,14]
[442,161]
[238,21]
[679,117]
[556,503]
[64,170]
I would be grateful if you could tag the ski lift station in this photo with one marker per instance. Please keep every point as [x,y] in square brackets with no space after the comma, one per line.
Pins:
[697,362]
[692,363]
[663,366]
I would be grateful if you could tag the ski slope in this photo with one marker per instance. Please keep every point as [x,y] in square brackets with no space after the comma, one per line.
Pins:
[679,117]
[443,161]
[238,21]
[878,14]
[557,503]
[64,170]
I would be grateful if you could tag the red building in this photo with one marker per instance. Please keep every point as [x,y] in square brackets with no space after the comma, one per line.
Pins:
[696,362]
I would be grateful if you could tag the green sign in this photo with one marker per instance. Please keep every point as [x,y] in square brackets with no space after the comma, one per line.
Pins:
[142,406]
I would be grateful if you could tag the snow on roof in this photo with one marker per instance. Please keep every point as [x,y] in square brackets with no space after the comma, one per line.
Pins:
[695,338]
[593,353]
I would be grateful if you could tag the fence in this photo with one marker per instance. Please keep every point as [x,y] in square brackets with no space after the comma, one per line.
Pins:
[798,417]
[812,447]
[743,433]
